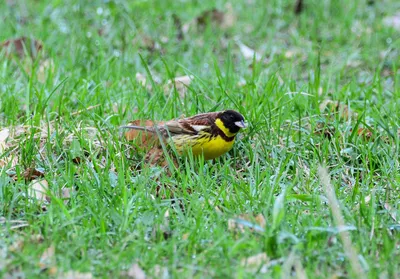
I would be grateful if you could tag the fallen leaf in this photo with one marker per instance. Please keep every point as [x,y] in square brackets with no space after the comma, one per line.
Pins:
[337,107]
[165,227]
[4,134]
[47,259]
[32,174]
[21,46]
[230,18]
[261,220]
[46,66]
[16,246]
[146,42]
[185,236]
[135,272]
[37,190]
[323,129]
[391,211]
[180,83]
[160,272]
[247,52]
[223,19]
[256,260]
[66,194]
[36,238]
[365,133]
[246,221]
[141,79]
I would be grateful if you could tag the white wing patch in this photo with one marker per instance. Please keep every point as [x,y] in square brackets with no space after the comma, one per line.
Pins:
[199,128]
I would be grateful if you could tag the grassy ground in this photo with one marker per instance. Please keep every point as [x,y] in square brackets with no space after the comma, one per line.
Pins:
[323,89]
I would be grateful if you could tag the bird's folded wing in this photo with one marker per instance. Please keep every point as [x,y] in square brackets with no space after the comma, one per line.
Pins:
[191,125]
[177,127]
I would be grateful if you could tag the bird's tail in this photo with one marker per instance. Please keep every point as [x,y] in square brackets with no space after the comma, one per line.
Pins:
[141,128]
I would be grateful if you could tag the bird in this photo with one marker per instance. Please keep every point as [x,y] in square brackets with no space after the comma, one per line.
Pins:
[209,134]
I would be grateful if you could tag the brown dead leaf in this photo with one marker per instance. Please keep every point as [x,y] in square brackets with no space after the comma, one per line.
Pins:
[247,222]
[165,227]
[212,15]
[323,129]
[46,66]
[141,79]
[222,19]
[160,272]
[365,133]
[146,42]
[32,174]
[48,259]
[75,275]
[4,134]
[16,246]
[66,194]
[247,52]
[185,236]
[261,220]
[229,17]
[38,189]
[21,46]
[256,260]
[180,83]
[392,212]
[336,107]
[136,272]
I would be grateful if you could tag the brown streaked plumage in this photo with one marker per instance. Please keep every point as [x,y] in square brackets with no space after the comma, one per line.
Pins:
[211,134]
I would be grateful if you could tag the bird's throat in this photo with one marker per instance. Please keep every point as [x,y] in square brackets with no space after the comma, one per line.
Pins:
[225,130]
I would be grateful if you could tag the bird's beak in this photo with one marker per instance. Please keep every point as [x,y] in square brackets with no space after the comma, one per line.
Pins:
[241,124]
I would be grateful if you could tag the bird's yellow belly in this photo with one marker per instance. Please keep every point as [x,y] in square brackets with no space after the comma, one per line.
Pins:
[211,149]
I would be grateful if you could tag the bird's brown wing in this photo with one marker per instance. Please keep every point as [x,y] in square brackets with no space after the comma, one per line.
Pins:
[203,118]
[191,125]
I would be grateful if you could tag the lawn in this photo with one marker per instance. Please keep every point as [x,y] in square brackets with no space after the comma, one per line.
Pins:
[311,188]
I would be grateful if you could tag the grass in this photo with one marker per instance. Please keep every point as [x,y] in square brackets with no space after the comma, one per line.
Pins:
[263,203]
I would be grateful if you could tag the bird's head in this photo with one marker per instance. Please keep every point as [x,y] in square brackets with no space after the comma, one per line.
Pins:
[232,121]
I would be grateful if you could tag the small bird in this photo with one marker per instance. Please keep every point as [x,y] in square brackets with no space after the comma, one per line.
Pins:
[211,134]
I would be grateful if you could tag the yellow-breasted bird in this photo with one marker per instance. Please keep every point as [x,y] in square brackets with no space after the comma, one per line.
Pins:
[211,134]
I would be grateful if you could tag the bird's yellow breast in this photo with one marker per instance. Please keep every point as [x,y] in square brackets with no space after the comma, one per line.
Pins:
[210,148]
[214,148]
